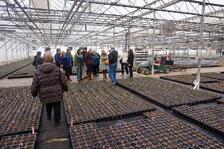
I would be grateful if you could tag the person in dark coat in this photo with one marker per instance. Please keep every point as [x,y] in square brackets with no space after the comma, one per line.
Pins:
[48,84]
[84,53]
[58,58]
[96,63]
[130,62]
[68,63]
[89,64]
[38,60]
[113,57]
[79,62]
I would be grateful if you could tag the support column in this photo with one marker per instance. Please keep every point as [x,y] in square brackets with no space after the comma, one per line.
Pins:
[6,52]
[114,37]
[197,85]
[153,42]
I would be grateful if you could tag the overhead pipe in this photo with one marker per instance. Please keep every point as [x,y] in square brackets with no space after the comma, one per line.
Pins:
[68,21]
[27,15]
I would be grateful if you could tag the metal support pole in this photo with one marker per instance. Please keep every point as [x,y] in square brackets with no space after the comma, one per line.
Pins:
[6,52]
[187,56]
[114,37]
[12,50]
[153,42]
[173,55]
[197,86]
[17,46]
[129,37]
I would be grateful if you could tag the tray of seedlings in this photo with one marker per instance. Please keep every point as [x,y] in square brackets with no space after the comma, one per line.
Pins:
[187,79]
[165,93]
[101,101]
[19,112]
[210,115]
[26,72]
[214,75]
[10,68]
[215,87]
[20,141]
[158,130]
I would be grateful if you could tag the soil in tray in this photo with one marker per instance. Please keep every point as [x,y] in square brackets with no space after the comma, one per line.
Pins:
[211,115]
[159,130]
[9,68]
[213,75]
[217,86]
[167,93]
[19,112]
[89,101]
[27,71]
[188,79]
[22,141]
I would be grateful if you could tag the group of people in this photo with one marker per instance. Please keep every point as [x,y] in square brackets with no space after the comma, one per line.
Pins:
[89,63]
[49,81]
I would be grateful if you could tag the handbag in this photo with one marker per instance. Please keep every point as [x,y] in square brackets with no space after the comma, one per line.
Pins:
[107,62]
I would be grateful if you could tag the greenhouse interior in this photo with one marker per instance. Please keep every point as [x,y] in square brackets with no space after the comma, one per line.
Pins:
[111,74]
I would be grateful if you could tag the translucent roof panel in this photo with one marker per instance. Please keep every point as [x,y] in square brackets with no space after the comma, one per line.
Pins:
[72,22]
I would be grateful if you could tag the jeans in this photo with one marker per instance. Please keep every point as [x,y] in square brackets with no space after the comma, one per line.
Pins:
[79,72]
[124,66]
[112,72]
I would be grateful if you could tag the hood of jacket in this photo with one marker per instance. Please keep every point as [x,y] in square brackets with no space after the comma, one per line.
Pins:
[46,67]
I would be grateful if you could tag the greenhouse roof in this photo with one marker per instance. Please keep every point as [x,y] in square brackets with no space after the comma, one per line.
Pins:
[110,22]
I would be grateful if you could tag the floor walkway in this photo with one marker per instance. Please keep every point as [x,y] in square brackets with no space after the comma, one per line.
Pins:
[53,136]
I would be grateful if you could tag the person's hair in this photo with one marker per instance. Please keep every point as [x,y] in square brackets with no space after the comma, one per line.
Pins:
[47,49]
[78,51]
[48,58]
[103,52]
[69,49]
[58,49]
[38,53]
[130,52]
[90,51]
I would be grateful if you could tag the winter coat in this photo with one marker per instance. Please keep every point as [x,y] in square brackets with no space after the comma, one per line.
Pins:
[124,57]
[131,59]
[67,61]
[89,59]
[96,59]
[49,83]
[79,60]
[103,65]
[38,61]
[58,59]
[113,56]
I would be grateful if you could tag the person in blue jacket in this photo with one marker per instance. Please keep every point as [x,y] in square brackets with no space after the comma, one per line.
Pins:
[68,63]
[58,58]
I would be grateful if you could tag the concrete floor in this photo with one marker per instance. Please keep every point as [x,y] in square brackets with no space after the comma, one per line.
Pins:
[28,81]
